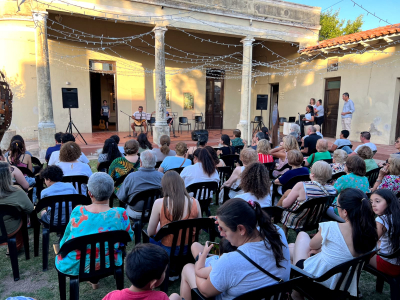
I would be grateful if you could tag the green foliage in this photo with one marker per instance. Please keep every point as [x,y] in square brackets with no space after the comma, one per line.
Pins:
[332,26]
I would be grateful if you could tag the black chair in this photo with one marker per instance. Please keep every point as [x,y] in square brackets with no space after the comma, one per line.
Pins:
[198,122]
[148,197]
[328,160]
[183,121]
[351,146]
[226,193]
[158,164]
[374,152]
[185,230]
[179,170]
[224,174]
[203,192]
[290,184]
[151,123]
[273,292]
[230,160]
[286,166]
[270,167]
[102,269]
[372,176]
[238,149]
[312,290]
[55,225]
[338,175]
[381,277]
[77,182]
[25,171]
[36,164]
[274,212]
[104,166]
[117,183]
[7,210]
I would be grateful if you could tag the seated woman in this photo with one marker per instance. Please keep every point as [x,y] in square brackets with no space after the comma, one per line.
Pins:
[18,138]
[386,206]
[144,143]
[255,185]
[93,219]
[302,192]
[125,164]
[366,154]
[338,161]
[201,143]
[53,176]
[178,161]
[164,151]
[295,131]
[336,243]
[218,162]
[16,156]
[263,150]
[295,159]
[289,143]
[322,153]
[389,175]
[18,178]
[175,206]
[226,147]
[109,153]
[13,196]
[203,170]
[247,156]
[246,226]
[70,165]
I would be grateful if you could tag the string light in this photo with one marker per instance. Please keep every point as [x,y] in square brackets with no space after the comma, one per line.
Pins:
[369,13]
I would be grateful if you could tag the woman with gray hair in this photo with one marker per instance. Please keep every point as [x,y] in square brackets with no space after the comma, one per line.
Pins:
[338,161]
[295,131]
[92,219]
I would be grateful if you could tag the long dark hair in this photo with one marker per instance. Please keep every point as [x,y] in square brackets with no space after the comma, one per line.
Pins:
[17,138]
[207,161]
[361,218]
[226,140]
[144,142]
[17,148]
[111,149]
[311,108]
[392,212]
[213,153]
[237,211]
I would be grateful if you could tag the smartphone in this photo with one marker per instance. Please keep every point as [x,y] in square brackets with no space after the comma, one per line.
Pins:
[215,249]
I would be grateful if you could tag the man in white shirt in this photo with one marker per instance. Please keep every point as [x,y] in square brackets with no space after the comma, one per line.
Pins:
[55,156]
[139,119]
[365,137]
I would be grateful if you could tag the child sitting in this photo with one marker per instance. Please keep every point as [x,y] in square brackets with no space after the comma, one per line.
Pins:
[145,268]
[237,141]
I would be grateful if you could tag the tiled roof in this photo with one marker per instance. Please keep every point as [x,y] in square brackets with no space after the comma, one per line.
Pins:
[356,37]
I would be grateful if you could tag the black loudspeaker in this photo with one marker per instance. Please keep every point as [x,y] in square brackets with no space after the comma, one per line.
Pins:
[262,102]
[197,133]
[69,97]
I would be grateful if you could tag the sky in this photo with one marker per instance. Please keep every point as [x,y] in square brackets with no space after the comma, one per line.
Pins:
[385,9]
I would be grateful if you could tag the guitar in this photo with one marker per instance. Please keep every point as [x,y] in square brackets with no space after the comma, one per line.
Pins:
[102,124]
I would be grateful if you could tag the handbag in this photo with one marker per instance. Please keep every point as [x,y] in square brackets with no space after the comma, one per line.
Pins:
[182,163]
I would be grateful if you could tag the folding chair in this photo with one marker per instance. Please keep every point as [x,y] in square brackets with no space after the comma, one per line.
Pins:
[203,192]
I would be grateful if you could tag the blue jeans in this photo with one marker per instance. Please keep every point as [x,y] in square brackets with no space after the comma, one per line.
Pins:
[347,149]
[168,249]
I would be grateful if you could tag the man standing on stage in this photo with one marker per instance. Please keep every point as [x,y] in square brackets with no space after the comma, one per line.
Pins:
[347,113]
[139,118]
[105,112]
[319,113]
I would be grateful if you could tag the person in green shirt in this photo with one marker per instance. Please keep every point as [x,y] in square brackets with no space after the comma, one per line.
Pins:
[321,154]
[366,154]
[237,141]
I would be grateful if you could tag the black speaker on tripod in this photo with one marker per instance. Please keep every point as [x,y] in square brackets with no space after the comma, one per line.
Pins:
[70,97]
[262,104]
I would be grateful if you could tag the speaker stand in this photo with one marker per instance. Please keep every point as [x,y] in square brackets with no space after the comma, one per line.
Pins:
[69,127]
[260,124]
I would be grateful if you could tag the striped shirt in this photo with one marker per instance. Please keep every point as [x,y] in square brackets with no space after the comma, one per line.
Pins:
[265,158]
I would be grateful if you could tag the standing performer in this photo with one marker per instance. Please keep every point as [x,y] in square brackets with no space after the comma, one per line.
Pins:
[139,118]
[105,112]
[347,113]
[170,121]
[319,113]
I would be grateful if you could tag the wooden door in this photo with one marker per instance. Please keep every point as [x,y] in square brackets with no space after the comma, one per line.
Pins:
[274,114]
[214,100]
[398,121]
[331,106]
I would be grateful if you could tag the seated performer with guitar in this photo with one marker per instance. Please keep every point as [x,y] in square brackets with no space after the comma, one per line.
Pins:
[139,118]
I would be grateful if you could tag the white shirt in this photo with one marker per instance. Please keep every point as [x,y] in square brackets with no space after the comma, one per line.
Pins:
[371,145]
[76,169]
[55,158]
[136,115]
[194,174]
[264,202]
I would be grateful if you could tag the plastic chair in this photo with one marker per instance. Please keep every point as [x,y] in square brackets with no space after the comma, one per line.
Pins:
[183,121]
[372,176]
[184,229]
[350,146]
[290,184]
[203,192]
[25,171]
[101,270]
[230,160]
[311,289]
[178,170]
[224,174]
[7,210]
[274,212]
[270,167]
[381,277]
[148,197]
[55,225]
[336,176]
[198,123]
[273,292]
[37,165]
[328,160]
[104,166]
[158,164]
[77,181]
[238,149]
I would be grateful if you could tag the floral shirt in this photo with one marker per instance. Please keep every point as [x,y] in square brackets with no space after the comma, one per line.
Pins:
[337,168]
[391,182]
[237,142]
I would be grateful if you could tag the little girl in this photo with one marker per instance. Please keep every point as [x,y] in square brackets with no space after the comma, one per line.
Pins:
[385,205]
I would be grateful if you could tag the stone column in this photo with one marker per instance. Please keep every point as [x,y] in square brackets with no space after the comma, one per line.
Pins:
[46,126]
[245,102]
[160,127]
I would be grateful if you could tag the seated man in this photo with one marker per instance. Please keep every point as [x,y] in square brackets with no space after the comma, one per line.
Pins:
[55,156]
[343,142]
[57,147]
[310,143]
[147,177]
[259,136]
[318,129]
[365,138]
[139,119]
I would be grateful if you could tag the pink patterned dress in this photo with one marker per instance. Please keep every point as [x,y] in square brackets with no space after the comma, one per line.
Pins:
[391,182]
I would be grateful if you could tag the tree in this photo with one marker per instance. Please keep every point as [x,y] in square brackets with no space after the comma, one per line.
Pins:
[332,26]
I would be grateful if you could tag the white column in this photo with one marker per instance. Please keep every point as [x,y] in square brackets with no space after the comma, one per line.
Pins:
[160,127]
[46,127]
[245,103]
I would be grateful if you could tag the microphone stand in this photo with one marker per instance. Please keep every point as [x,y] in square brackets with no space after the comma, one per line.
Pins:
[129,123]
[173,125]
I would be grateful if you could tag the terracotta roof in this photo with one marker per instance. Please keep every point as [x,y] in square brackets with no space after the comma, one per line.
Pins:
[356,37]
